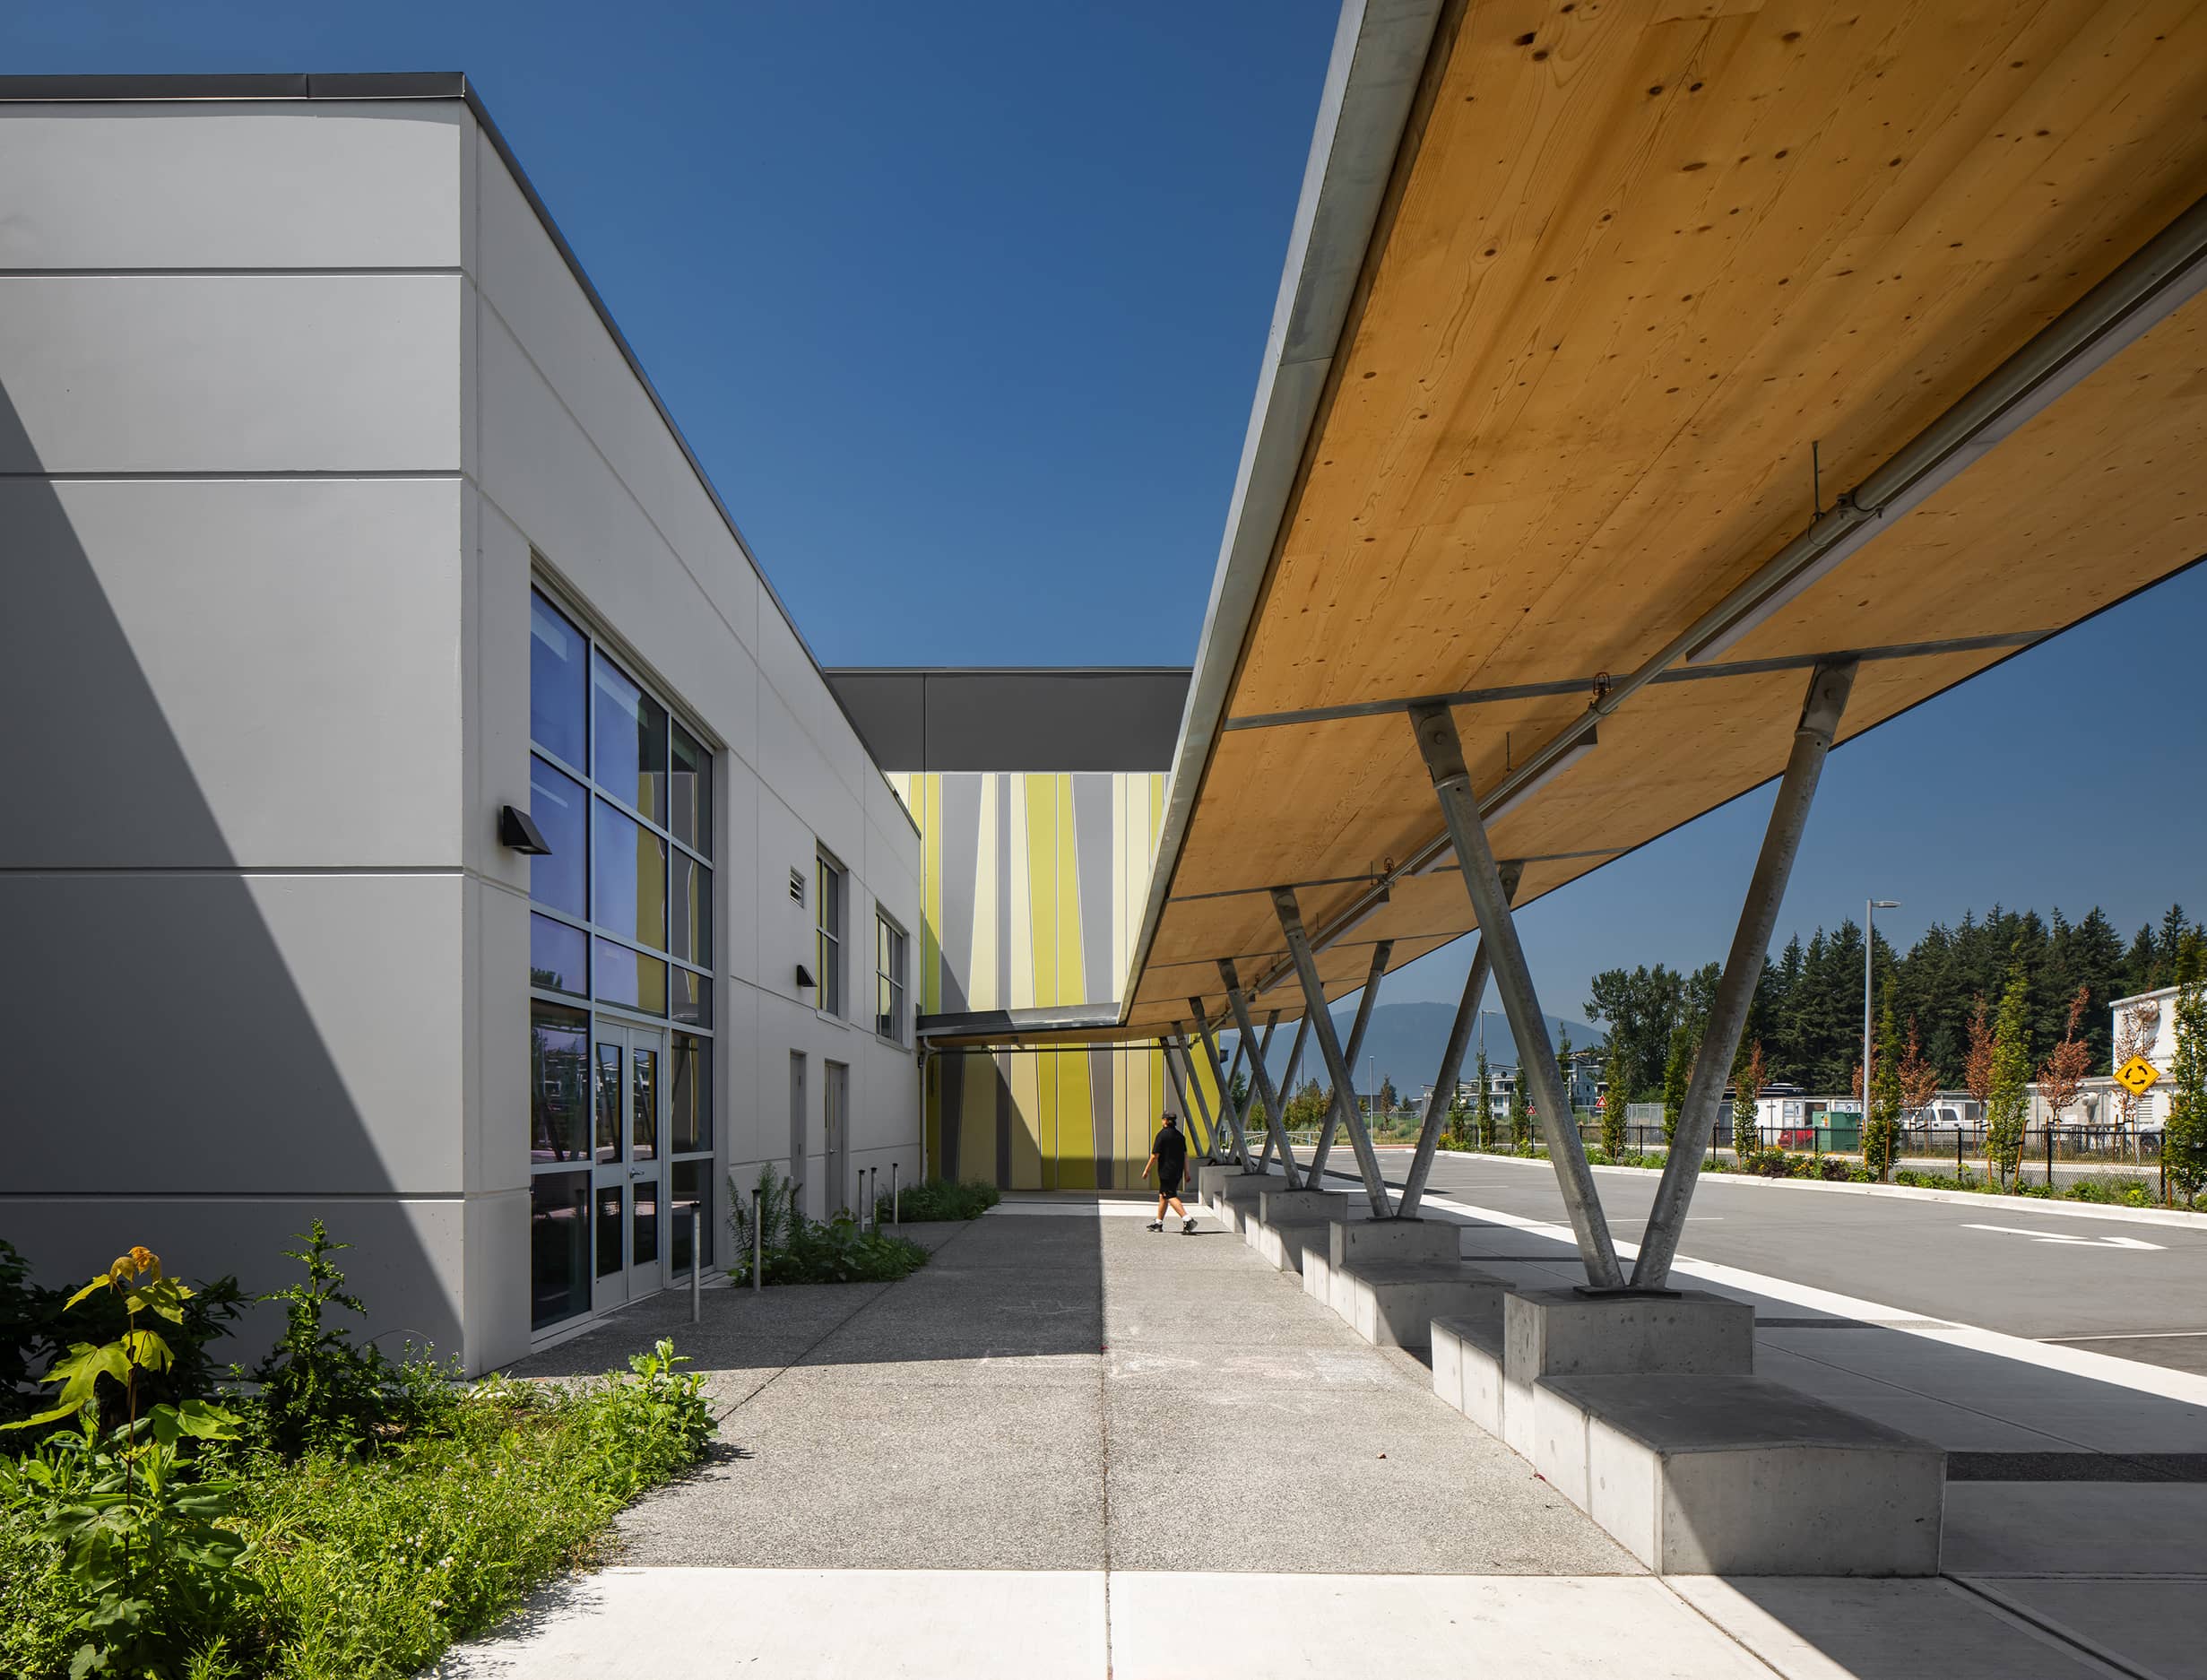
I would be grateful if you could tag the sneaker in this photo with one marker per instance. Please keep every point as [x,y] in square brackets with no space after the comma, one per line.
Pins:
[1187,1229]
[1156,1225]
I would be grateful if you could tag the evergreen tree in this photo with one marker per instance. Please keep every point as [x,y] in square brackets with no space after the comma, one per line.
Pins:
[2183,1144]
[1485,1108]
[1521,1117]
[1562,1062]
[1747,1083]
[2007,1106]
[1459,1120]
[1881,1130]
[1677,1071]
[1612,1121]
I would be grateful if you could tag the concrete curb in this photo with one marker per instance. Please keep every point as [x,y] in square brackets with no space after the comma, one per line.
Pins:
[1964,1198]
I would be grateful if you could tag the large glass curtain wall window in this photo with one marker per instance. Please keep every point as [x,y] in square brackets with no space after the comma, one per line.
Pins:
[620,978]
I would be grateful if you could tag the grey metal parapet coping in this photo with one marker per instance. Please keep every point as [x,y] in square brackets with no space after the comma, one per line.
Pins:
[422,85]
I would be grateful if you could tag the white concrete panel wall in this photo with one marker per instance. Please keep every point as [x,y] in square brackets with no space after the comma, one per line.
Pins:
[231,867]
[294,393]
[573,457]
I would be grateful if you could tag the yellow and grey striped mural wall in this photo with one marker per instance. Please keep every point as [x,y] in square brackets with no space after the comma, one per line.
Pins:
[1033,886]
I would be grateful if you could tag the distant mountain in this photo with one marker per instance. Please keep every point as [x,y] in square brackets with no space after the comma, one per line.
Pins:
[1405,1041]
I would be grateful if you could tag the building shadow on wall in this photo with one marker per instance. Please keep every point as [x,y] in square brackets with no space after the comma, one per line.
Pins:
[172,1084]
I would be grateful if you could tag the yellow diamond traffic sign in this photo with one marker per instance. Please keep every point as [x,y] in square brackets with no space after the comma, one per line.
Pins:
[2137,1075]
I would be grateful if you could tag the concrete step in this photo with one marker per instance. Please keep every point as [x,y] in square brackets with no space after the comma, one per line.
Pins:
[1467,1364]
[1283,1242]
[1739,1475]
[1392,1303]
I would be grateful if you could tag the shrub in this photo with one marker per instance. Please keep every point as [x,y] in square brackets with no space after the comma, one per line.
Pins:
[796,1250]
[318,1389]
[941,1198]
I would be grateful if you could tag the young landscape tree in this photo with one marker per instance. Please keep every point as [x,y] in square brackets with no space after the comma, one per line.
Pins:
[1919,1077]
[1880,1122]
[1521,1117]
[2007,1097]
[2184,1143]
[1614,1102]
[1677,1071]
[1458,1123]
[1746,1085]
[1976,1067]
[1483,1105]
[2134,1036]
[2063,1076]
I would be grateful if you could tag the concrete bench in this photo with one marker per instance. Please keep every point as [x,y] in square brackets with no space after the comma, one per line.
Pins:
[1285,1242]
[1236,1192]
[1739,1476]
[1467,1364]
[1288,1221]
[1393,1303]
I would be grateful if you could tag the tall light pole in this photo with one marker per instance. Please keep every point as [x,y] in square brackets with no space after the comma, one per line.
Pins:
[1870,907]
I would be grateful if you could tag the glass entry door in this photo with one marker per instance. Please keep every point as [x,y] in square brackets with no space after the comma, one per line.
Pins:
[628,1137]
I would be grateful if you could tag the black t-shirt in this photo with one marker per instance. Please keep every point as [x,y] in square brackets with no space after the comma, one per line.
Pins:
[1170,1148]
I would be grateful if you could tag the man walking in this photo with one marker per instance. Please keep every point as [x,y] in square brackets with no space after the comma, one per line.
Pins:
[1168,1154]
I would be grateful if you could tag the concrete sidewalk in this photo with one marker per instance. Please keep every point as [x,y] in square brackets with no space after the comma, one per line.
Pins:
[1071,1446]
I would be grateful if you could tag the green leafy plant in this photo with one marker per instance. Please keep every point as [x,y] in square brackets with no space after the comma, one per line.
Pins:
[141,1540]
[318,1389]
[795,1249]
[939,1199]
[2008,1102]
[2184,1144]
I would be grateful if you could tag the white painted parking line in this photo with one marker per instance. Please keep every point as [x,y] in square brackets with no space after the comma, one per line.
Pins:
[2067,1237]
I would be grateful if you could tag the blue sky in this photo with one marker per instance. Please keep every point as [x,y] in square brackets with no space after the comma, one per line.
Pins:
[961,306]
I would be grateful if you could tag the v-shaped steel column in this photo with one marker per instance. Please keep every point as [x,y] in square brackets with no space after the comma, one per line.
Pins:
[1451,1063]
[1243,1109]
[1261,1089]
[1381,952]
[1192,1089]
[1288,1095]
[1329,1047]
[1513,978]
[1829,687]
[1228,1118]
[1261,1084]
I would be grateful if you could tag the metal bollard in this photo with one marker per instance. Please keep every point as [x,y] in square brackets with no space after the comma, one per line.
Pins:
[896,1198]
[697,1259]
[873,1196]
[1958,1152]
[758,1243]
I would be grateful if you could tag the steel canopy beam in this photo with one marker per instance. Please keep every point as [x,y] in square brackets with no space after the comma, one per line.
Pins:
[1382,955]
[1513,978]
[1261,1076]
[1451,1063]
[1751,943]
[1329,1047]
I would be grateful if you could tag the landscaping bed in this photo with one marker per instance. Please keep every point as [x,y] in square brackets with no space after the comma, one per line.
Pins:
[330,1514]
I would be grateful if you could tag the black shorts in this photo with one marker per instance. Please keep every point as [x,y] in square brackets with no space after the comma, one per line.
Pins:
[1169,1175]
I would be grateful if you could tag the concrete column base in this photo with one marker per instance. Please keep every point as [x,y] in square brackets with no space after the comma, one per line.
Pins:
[1238,1193]
[1279,1204]
[1561,1333]
[1356,1240]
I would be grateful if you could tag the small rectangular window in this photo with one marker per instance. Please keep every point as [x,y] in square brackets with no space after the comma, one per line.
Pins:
[888,979]
[828,927]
